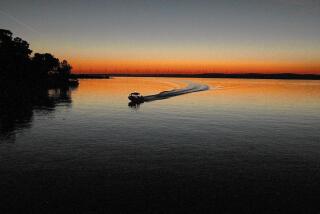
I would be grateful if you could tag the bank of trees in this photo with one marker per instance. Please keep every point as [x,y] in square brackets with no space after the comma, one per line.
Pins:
[18,63]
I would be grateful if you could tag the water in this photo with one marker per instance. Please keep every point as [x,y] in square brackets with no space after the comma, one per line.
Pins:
[245,146]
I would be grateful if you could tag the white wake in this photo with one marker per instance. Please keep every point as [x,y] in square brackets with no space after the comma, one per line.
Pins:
[191,88]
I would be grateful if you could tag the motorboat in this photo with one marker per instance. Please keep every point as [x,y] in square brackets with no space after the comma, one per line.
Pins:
[136,97]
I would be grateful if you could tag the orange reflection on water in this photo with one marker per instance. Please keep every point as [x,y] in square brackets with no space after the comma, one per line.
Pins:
[264,93]
[224,93]
[123,85]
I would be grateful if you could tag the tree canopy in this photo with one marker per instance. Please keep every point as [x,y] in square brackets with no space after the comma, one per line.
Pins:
[17,63]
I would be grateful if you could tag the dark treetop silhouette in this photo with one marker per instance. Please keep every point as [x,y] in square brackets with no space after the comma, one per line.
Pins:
[17,64]
[28,83]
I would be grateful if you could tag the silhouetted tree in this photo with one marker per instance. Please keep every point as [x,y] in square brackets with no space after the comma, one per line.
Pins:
[25,80]
[14,56]
[17,64]
[64,70]
[44,64]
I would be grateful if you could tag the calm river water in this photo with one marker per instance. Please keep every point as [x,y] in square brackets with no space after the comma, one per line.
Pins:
[244,146]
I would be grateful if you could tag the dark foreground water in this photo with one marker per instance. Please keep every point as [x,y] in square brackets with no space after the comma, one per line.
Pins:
[244,146]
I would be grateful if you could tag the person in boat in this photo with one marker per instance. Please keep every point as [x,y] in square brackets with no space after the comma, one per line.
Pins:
[136,97]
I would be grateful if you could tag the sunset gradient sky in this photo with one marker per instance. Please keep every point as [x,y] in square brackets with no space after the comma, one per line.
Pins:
[171,36]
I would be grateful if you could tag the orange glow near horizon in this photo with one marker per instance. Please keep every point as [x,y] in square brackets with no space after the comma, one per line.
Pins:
[191,66]
[163,57]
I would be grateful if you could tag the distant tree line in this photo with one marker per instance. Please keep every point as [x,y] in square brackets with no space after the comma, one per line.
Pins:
[17,63]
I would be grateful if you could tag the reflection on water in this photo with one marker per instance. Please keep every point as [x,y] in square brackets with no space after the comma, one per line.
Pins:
[244,146]
[134,105]
[18,105]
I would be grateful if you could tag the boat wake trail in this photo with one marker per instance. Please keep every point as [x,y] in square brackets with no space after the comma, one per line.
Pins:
[191,88]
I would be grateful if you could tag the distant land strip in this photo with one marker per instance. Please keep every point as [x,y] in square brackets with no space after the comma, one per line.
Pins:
[207,75]
[90,76]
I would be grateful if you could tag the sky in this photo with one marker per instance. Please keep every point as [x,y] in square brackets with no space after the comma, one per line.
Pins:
[171,36]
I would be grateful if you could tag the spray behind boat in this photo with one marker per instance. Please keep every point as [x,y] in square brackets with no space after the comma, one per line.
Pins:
[136,98]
